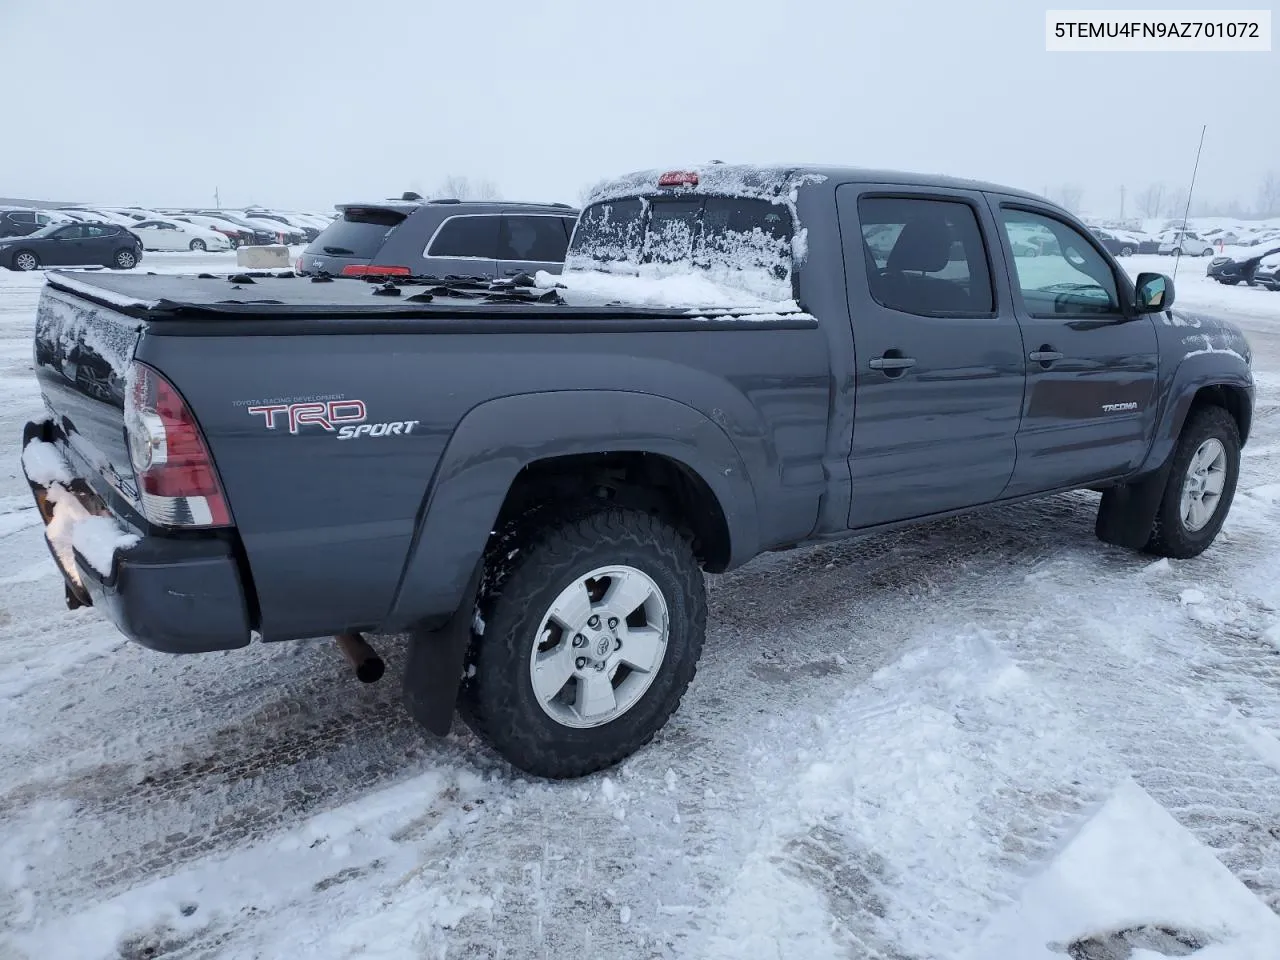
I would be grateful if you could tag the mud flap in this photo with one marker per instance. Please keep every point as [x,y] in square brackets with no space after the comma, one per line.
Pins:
[1127,514]
[433,672]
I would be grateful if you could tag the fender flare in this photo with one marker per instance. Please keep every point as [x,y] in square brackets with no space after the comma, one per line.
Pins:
[497,439]
[1193,375]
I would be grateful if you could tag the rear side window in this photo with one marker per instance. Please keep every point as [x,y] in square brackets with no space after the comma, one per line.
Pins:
[474,237]
[540,239]
[925,256]
[359,232]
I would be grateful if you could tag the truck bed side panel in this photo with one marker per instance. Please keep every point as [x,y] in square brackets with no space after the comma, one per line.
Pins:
[327,523]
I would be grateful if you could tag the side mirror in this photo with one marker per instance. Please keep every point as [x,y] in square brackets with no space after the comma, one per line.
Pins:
[1153,293]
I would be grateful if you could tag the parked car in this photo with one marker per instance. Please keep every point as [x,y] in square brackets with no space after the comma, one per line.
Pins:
[441,238]
[307,231]
[261,234]
[1177,242]
[176,235]
[1232,270]
[72,245]
[104,216]
[19,221]
[1117,243]
[236,236]
[532,481]
[1268,273]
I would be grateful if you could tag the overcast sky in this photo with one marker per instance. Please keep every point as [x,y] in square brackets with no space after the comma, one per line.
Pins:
[308,102]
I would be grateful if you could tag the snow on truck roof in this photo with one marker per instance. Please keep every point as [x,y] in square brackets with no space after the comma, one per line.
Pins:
[778,182]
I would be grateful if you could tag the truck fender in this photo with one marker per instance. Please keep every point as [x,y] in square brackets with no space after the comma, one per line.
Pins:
[487,450]
[1192,375]
[1127,512]
[497,439]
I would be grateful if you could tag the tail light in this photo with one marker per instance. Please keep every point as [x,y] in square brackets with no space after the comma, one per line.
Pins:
[679,178]
[177,481]
[374,270]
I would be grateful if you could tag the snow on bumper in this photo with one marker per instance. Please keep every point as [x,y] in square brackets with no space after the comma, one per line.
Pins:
[177,596]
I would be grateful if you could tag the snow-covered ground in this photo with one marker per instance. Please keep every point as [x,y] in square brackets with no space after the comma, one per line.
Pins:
[989,738]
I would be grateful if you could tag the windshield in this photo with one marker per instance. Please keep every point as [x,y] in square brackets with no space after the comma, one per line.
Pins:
[741,242]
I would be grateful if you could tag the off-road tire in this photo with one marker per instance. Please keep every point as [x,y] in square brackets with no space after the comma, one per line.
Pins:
[529,565]
[1169,536]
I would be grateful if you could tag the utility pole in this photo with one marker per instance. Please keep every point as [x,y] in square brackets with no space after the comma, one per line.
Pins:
[216,201]
[1122,201]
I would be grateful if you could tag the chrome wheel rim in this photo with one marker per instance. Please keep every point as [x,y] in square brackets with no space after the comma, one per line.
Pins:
[599,646]
[25,261]
[1202,487]
[126,260]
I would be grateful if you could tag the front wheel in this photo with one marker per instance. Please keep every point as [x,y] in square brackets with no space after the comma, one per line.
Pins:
[125,259]
[591,634]
[1207,252]
[198,246]
[1126,251]
[1201,486]
[1177,251]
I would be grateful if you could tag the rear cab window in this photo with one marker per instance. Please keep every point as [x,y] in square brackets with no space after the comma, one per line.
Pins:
[745,241]
[358,232]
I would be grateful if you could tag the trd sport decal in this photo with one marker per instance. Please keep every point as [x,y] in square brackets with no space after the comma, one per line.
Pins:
[346,418]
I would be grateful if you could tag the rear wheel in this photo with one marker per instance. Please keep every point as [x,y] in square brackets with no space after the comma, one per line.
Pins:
[1177,251]
[125,259]
[591,634]
[1201,486]
[198,245]
[1126,251]
[1207,252]
[25,260]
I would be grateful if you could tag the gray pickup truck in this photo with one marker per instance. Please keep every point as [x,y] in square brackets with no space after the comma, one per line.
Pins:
[530,476]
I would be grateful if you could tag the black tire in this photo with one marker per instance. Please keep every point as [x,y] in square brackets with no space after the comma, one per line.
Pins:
[531,567]
[24,260]
[198,246]
[1170,536]
[1176,252]
[1207,252]
[124,260]
[1230,283]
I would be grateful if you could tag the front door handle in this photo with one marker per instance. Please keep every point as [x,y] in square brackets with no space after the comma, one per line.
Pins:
[892,363]
[1045,355]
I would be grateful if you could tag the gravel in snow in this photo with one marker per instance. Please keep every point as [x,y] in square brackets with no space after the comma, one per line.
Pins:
[988,737]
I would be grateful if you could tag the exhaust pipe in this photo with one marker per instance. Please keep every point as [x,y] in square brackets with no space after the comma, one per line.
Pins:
[368,665]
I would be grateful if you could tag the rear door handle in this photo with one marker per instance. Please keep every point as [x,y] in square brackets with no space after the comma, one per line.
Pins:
[892,363]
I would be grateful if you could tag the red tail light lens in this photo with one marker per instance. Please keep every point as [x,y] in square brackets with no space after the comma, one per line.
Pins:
[374,270]
[177,481]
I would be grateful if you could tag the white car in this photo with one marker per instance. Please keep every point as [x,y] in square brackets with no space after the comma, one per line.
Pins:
[176,235]
[1177,243]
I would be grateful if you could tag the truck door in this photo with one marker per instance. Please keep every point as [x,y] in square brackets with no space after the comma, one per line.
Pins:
[940,365]
[1092,364]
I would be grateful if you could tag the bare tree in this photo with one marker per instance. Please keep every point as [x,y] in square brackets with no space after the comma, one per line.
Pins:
[1151,201]
[1070,196]
[1269,196]
[457,187]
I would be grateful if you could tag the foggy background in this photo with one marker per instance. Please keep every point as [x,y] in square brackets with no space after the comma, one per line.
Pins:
[305,104]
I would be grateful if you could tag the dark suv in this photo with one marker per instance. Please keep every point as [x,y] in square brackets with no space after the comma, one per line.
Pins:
[441,238]
[18,222]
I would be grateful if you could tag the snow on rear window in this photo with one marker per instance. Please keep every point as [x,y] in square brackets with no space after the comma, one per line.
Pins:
[745,243]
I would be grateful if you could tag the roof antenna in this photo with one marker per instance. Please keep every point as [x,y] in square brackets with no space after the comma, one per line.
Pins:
[1187,212]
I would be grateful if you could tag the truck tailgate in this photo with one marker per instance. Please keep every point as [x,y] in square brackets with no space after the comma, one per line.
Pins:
[82,357]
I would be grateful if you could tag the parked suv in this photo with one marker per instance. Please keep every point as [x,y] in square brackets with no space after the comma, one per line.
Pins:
[440,238]
[73,245]
[17,222]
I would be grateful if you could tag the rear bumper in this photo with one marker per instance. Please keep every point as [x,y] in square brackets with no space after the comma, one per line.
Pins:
[172,595]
